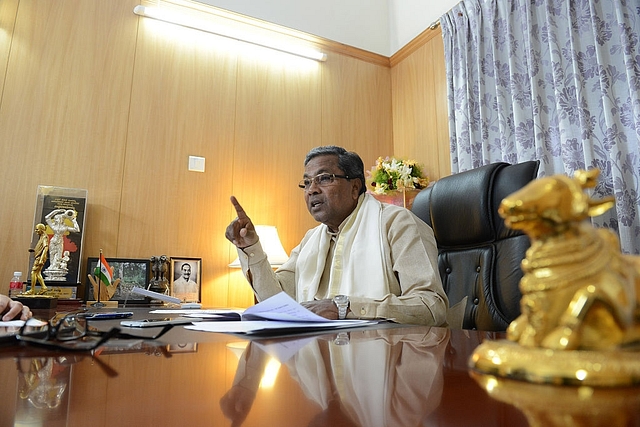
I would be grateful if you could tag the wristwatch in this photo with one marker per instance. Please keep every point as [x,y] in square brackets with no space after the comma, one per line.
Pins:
[342,302]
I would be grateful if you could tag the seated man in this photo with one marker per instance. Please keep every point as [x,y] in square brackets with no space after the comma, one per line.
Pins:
[10,309]
[380,258]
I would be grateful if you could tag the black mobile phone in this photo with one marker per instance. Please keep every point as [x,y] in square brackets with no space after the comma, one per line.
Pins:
[109,315]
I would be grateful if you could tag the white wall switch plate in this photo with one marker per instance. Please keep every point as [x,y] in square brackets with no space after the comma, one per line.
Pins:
[196,164]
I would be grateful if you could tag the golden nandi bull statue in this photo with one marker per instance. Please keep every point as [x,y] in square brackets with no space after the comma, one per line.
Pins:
[579,292]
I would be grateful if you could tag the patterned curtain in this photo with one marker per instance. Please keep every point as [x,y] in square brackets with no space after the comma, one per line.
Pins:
[554,80]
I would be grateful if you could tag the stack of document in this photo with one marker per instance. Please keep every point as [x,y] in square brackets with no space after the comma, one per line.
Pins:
[279,314]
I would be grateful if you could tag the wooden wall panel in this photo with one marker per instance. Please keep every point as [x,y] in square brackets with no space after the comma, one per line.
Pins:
[183,103]
[420,121]
[63,117]
[8,9]
[278,121]
[356,108]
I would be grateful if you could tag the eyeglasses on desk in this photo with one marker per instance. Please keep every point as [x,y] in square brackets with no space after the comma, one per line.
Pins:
[72,332]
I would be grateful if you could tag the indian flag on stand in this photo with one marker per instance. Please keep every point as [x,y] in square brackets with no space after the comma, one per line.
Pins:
[103,271]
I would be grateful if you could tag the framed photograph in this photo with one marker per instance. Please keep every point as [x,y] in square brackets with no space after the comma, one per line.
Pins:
[186,278]
[131,272]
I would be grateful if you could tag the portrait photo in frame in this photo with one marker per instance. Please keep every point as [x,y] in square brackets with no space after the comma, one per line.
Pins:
[131,272]
[186,278]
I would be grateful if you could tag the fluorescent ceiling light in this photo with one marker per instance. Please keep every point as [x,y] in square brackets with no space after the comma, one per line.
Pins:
[188,22]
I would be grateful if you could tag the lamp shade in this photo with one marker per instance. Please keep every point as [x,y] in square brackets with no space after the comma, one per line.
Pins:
[270,242]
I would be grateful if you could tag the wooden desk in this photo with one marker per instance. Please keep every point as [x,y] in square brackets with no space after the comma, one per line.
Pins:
[400,376]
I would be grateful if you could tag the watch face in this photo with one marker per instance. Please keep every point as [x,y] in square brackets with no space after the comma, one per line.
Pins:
[341,299]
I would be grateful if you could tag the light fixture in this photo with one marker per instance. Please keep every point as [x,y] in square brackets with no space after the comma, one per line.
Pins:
[270,242]
[189,22]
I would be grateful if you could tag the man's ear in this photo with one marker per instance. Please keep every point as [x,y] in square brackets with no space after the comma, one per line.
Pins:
[355,188]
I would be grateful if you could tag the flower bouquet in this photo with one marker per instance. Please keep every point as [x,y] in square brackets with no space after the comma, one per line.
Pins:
[394,180]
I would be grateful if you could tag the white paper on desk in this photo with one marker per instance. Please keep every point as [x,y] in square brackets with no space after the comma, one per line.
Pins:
[281,307]
[20,323]
[195,311]
[277,314]
[12,324]
[264,327]
[278,307]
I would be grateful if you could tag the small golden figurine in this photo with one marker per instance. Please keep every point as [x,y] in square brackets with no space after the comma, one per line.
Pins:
[580,306]
[579,291]
[39,258]
[572,358]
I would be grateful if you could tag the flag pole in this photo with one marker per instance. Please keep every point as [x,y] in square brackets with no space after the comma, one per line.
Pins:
[99,304]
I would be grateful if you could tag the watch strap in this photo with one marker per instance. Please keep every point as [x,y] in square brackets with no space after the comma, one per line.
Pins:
[342,311]
[342,303]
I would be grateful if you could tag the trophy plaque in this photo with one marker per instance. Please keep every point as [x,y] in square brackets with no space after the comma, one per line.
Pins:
[62,212]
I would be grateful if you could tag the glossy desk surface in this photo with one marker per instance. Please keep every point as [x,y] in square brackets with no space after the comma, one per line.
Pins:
[387,375]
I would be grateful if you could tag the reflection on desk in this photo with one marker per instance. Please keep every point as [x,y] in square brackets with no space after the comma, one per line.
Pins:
[399,372]
[385,375]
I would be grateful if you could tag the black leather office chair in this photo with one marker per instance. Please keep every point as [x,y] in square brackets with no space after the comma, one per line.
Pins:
[478,256]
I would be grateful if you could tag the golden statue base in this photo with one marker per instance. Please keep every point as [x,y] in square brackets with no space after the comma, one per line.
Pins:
[604,368]
[35,301]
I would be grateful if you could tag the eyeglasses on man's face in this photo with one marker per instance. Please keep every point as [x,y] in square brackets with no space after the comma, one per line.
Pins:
[322,180]
[72,333]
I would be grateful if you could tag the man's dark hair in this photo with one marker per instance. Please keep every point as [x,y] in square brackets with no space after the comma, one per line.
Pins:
[348,161]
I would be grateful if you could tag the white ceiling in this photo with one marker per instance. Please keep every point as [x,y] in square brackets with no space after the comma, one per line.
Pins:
[379,26]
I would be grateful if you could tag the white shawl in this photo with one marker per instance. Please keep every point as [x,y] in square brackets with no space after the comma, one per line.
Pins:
[358,265]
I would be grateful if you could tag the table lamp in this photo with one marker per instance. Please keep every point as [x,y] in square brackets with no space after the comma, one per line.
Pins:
[271,245]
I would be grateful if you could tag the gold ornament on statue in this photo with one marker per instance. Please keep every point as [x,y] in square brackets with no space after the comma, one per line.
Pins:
[580,321]
[40,254]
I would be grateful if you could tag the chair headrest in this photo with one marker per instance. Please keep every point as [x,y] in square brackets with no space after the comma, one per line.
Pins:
[462,208]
